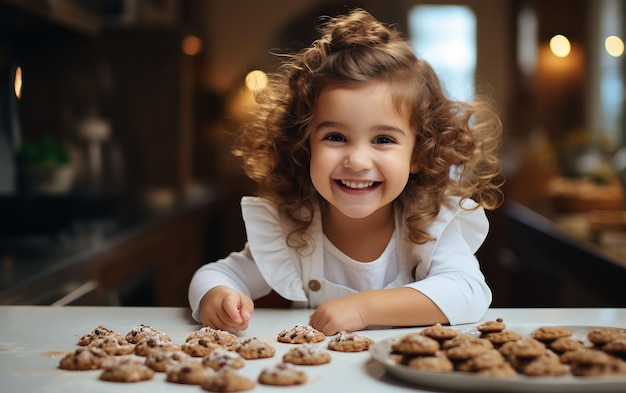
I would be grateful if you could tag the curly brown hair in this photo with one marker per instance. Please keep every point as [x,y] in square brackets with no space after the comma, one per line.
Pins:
[457,143]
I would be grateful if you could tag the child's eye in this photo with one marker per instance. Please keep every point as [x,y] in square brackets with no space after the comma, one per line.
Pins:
[382,140]
[335,138]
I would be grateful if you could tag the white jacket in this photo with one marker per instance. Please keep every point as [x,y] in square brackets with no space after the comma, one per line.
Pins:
[445,269]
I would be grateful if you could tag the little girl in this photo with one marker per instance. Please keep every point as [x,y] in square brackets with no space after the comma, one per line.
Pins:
[372,188]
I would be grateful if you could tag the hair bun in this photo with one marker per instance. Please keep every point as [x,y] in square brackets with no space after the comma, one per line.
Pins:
[356,29]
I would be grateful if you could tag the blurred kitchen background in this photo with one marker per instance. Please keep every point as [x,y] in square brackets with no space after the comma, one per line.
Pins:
[116,118]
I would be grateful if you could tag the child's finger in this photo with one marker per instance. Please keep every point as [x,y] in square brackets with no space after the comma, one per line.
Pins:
[231,306]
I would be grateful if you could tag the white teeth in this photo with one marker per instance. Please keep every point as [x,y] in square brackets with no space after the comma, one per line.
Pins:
[357,185]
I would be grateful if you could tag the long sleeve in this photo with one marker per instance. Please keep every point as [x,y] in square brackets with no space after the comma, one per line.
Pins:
[454,281]
[265,263]
[238,271]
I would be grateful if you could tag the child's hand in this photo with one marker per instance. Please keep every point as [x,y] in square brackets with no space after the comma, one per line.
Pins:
[226,309]
[337,315]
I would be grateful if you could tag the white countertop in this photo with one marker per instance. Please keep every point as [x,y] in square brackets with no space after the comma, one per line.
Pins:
[34,338]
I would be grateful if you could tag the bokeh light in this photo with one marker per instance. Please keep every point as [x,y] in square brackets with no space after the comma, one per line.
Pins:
[614,46]
[560,45]
[17,83]
[192,45]
[256,80]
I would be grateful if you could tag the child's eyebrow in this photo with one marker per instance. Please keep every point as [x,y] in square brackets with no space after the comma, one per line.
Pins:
[381,127]
[329,124]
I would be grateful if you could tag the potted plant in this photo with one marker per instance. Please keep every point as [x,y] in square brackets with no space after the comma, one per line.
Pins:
[46,167]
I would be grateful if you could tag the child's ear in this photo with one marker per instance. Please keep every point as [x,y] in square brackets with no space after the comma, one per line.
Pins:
[415,168]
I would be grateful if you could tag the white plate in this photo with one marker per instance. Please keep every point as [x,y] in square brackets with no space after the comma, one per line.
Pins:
[467,382]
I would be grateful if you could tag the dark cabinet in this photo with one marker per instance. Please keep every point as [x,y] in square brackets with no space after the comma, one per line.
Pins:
[147,262]
[76,63]
[537,264]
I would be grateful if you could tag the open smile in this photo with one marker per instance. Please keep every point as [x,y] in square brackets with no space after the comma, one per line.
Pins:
[357,185]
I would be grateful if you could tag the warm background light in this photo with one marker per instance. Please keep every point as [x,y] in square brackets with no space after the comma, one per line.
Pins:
[192,45]
[614,46]
[17,83]
[560,45]
[256,80]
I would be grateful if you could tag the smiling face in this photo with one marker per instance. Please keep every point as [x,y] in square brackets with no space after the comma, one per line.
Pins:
[361,149]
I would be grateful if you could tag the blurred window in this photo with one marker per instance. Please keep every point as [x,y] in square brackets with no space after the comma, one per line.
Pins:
[611,79]
[445,36]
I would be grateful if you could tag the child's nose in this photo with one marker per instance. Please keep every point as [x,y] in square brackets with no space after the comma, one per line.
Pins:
[358,159]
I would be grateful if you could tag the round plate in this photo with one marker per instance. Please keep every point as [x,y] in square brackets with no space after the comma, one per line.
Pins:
[468,382]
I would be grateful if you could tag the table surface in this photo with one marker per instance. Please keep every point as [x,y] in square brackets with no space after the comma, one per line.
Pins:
[34,338]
